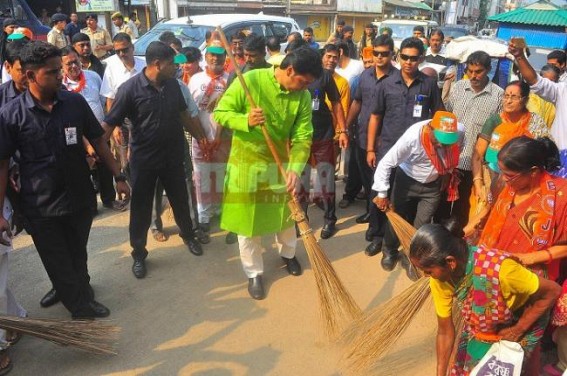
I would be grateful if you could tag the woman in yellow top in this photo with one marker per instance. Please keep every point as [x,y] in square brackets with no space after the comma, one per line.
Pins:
[499,298]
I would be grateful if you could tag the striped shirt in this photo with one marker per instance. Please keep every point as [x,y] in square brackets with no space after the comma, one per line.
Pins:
[473,109]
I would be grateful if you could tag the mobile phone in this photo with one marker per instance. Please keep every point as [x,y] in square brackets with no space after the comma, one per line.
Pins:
[519,42]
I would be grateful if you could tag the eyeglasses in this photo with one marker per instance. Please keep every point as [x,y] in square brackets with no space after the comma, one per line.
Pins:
[513,98]
[122,50]
[73,62]
[381,53]
[411,58]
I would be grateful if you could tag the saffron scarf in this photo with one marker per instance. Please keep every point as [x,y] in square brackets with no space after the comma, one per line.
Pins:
[210,89]
[444,158]
[538,222]
[75,86]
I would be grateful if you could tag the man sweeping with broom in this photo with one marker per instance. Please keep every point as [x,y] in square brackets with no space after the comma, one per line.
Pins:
[255,197]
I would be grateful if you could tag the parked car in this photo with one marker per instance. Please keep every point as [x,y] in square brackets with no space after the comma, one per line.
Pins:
[191,31]
[24,16]
[454,32]
[402,29]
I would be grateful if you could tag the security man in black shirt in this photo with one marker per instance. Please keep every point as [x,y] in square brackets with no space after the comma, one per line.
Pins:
[45,125]
[322,155]
[153,101]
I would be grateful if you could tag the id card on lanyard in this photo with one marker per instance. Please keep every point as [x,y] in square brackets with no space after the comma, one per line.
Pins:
[418,106]
[70,135]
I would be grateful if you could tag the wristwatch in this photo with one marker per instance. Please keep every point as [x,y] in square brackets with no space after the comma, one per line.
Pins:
[120,178]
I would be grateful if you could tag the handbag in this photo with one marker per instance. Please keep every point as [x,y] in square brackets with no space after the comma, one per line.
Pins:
[504,358]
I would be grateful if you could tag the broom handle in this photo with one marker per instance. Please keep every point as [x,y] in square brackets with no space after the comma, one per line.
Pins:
[252,103]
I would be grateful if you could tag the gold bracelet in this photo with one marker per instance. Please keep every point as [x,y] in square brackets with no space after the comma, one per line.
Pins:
[340,132]
[477,178]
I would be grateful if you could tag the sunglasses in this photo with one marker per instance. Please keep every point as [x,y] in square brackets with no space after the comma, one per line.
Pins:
[381,53]
[122,50]
[411,58]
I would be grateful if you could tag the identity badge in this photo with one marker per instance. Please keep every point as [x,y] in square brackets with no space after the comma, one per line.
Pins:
[71,135]
[417,110]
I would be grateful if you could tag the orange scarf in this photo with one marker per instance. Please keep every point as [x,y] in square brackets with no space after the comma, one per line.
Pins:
[80,84]
[446,163]
[210,89]
[537,224]
[508,130]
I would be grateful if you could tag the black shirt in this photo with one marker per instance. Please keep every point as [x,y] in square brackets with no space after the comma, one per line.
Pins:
[8,92]
[437,59]
[322,119]
[55,177]
[72,29]
[396,102]
[157,131]
[96,66]
[366,94]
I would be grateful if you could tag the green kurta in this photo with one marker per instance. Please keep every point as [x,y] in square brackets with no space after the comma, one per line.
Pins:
[255,198]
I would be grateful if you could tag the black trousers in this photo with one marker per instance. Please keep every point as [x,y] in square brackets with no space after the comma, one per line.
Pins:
[377,219]
[354,181]
[62,245]
[416,202]
[105,183]
[461,208]
[143,190]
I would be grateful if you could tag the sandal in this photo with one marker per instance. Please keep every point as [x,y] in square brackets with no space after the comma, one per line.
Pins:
[117,205]
[159,236]
[13,337]
[5,363]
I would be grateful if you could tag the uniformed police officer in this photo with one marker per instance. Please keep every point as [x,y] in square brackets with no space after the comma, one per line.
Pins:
[46,125]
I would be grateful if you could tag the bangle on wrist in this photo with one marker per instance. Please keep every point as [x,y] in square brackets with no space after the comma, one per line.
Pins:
[340,132]
[477,178]
[370,151]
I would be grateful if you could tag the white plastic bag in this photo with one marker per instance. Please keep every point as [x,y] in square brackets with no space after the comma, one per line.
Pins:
[504,358]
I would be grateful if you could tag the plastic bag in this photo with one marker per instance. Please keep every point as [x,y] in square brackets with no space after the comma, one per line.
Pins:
[504,358]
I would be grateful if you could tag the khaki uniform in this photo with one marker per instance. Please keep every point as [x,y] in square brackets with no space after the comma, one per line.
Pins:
[99,37]
[57,38]
[125,28]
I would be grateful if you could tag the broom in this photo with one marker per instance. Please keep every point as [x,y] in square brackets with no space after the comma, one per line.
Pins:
[336,304]
[88,335]
[374,334]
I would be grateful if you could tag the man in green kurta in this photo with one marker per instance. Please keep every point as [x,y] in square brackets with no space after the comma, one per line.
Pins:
[256,195]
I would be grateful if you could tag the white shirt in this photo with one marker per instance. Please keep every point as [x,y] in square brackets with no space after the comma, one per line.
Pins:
[563,77]
[116,74]
[197,87]
[555,93]
[90,92]
[351,71]
[409,155]
[134,28]
[191,105]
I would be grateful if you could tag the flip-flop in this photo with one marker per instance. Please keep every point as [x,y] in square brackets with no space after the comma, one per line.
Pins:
[13,338]
[8,367]
[159,235]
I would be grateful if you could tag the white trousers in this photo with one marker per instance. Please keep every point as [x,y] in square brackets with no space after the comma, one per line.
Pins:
[251,250]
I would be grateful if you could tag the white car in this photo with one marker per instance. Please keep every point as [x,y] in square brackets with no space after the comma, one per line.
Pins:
[191,31]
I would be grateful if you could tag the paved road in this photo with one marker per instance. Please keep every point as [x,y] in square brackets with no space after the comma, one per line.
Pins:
[193,316]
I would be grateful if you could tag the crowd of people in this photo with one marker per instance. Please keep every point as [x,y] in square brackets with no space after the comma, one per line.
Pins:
[81,112]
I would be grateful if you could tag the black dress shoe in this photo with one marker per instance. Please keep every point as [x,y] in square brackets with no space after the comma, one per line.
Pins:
[256,288]
[328,230]
[93,310]
[194,246]
[231,238]
[49,299]
[373,248]
[139,268]
[292,265]
[345,203]
[364,218]
[389,260]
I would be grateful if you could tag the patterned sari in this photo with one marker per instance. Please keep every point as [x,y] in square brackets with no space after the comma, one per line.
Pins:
[485,312]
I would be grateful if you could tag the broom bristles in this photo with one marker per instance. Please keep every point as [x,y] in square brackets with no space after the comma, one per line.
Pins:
[337,306]
[404,230]
[88,335]
[373,335]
